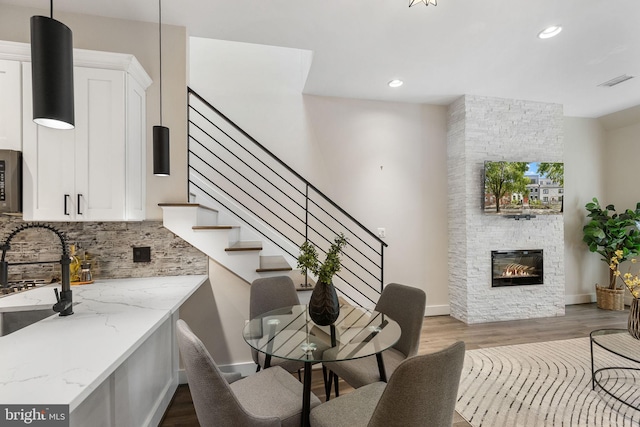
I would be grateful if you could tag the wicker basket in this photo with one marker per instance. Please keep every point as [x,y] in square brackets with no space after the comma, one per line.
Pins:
[610,299]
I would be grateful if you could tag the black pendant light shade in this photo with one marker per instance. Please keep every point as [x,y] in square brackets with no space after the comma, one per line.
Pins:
[161,151]
[52,73]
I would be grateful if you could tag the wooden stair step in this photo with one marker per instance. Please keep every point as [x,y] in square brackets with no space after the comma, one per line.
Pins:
[186,205]
[214,227]
[273,263]
[244,246]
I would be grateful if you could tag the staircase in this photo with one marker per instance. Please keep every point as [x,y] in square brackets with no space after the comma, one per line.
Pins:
[226,243]
[250,212]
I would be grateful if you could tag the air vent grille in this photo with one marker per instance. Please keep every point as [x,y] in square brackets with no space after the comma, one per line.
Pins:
[616,81]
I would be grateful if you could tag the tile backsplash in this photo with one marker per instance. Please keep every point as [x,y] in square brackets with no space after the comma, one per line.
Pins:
[109,245]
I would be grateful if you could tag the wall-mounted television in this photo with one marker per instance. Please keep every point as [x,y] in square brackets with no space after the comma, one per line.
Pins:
[523,188]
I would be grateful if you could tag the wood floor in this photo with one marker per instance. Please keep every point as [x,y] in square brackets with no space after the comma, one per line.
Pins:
[441,331]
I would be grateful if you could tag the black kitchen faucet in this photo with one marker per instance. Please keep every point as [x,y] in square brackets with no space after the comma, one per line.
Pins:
[64,304]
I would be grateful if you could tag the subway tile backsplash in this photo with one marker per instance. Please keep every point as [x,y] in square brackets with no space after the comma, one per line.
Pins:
[109,245]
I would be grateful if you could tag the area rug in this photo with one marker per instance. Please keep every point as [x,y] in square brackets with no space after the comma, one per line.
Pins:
[545,384]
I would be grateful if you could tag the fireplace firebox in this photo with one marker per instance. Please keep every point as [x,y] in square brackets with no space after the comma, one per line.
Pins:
[517,268]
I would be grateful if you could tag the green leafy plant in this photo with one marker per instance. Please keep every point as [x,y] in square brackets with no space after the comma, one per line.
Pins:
[611,234]
[308,260]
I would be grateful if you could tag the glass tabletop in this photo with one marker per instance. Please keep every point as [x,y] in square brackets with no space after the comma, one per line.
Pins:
[618,341]
[289,333]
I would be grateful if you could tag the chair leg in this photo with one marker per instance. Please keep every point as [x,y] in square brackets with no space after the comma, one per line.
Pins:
[299,376]
[258,368]
[335,378]
[327,382]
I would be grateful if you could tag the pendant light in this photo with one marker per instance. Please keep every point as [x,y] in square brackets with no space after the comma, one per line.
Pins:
[52,72]
[160,133]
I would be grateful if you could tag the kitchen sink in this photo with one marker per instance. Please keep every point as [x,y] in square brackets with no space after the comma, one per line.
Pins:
[11,321]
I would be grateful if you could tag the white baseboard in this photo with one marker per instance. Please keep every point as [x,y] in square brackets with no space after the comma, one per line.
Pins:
[579,299]
[437,310]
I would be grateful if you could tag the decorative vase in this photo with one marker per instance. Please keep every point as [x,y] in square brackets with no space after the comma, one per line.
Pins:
[609,299]
[634,319]
[324,307]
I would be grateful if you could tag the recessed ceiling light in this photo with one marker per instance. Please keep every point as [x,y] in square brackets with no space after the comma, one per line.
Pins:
[549,32]
[395,83]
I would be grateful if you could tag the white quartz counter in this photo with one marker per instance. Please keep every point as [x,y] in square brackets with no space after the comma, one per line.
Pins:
[61,360]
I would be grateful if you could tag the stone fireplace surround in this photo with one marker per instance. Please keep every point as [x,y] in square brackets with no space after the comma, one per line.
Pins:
[480,129]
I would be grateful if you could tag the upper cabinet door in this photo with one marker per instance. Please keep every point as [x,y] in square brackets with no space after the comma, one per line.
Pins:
[48,157]
[10,105]
[96,171]
[100,180]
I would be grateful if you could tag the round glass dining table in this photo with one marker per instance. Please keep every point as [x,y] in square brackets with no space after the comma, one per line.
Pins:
[289,333]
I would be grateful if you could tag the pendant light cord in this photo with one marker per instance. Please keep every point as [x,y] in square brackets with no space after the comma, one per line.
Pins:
[160,38]
[51,8]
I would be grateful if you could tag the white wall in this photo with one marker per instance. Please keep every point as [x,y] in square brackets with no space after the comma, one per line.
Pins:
[620,158]
[385,163]
[141,40]
[583,175]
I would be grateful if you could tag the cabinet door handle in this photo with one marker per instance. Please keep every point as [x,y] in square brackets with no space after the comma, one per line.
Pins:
[78,208]
[66,207]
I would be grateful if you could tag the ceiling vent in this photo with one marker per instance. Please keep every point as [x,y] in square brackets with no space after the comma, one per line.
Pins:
[616,81]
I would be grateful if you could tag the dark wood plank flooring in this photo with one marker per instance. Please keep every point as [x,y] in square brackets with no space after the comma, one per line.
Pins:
[439,332]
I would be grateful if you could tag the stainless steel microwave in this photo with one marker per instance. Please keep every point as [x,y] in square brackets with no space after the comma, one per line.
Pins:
[10,181]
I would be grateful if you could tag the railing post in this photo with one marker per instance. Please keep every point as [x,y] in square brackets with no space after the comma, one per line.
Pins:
[381,267]
[306,212]
[306,225]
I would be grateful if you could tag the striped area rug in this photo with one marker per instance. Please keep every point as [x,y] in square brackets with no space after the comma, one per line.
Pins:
[545,384]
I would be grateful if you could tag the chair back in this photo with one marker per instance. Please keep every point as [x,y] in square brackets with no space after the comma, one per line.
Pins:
[214,401]
[422,391]
[405,305]
[269,293]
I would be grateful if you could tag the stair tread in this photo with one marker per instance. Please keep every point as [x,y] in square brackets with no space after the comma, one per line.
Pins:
[214,227]
[273,263]
[186,205]
[245,246]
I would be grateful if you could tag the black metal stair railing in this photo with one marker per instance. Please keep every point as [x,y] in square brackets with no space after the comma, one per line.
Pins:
[237,172]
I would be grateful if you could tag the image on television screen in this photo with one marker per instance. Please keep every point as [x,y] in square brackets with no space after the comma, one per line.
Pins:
[523,188]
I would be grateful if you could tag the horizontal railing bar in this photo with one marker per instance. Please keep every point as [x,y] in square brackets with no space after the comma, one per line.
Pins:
[247,179]
[239,217]
[339,222]
[296,174]
[241,146]
[249,195]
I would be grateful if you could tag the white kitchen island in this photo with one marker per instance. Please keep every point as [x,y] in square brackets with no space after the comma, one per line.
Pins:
[114,361]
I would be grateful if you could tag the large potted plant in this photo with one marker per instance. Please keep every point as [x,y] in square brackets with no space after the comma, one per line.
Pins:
[612,235]
[324,307]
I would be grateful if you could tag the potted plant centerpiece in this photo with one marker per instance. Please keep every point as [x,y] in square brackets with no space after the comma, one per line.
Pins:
[612,235]
[632,282]
[324,307]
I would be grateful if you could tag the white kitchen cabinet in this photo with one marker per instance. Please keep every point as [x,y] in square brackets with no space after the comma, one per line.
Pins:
[97,171]
[10,105]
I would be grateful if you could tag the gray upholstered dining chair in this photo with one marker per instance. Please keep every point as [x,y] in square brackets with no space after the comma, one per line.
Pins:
[268,398]
[405,305]
[421,392]
[270,293]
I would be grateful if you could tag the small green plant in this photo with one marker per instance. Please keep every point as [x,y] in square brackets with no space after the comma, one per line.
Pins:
[308,261]
[614,235]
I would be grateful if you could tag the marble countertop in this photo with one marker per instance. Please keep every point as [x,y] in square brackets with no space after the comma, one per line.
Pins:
[61,360]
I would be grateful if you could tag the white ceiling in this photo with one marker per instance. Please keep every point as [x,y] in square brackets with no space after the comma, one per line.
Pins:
[476,47]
